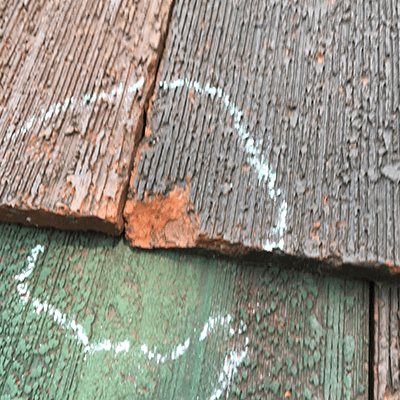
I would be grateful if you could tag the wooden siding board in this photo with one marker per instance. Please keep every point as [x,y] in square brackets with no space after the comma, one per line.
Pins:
[83,315]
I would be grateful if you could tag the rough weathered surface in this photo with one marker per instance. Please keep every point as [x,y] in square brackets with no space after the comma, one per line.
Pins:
[280,120]
[307,336]
[75,77]
[386,326]
[83,316]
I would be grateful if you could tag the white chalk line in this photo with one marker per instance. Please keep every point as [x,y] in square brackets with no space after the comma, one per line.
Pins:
[255,158]
[231,361]
[70,103]
[69,323]
[253,149]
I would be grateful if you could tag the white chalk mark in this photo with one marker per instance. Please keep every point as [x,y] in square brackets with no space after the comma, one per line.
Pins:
[70,102]
[69,323]
[135,87]
[210,325]
[279,229]
[122,346]
[22,288]
[102,346]
[231,361]
[144,348]
[31,263]
[255,158]
[180,350]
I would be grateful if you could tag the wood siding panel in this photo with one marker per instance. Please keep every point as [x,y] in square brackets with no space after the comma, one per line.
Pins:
[86,316]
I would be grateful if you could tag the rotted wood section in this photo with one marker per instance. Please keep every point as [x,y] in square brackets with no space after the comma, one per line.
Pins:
[75,78]
[85,316]
[275,126]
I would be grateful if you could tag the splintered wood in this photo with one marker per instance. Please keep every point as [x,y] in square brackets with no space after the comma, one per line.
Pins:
[75,78]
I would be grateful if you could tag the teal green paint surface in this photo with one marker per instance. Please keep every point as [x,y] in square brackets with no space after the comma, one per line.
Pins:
[84,316]
[104,321]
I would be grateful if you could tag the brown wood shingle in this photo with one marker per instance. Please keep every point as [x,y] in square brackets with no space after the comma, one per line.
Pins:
[274,125]
[75,78]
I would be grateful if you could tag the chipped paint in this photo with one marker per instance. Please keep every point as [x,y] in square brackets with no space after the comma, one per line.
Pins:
[161,221]
[137,329]
[105,345]
[100,346]
[59,317]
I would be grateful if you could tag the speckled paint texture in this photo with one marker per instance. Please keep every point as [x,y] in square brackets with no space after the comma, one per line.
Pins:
[83,316]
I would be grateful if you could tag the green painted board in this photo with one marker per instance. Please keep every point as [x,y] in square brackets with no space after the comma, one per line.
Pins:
[85,316]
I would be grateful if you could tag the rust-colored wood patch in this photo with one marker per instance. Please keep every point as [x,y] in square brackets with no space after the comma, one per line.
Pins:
[75,78]
[284,118]
[161,222]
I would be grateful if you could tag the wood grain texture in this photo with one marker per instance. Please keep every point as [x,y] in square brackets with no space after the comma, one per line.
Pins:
[85,316]
[280,118]
[75,79]
[386,325]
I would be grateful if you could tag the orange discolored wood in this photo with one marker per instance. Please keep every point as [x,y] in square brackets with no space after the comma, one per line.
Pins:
[161,221]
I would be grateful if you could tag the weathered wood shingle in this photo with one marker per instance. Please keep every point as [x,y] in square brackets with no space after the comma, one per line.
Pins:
[75,78]
[386,351]
[278,124]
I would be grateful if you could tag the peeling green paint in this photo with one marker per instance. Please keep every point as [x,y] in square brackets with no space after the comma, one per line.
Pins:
[300,343]
[102,318]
